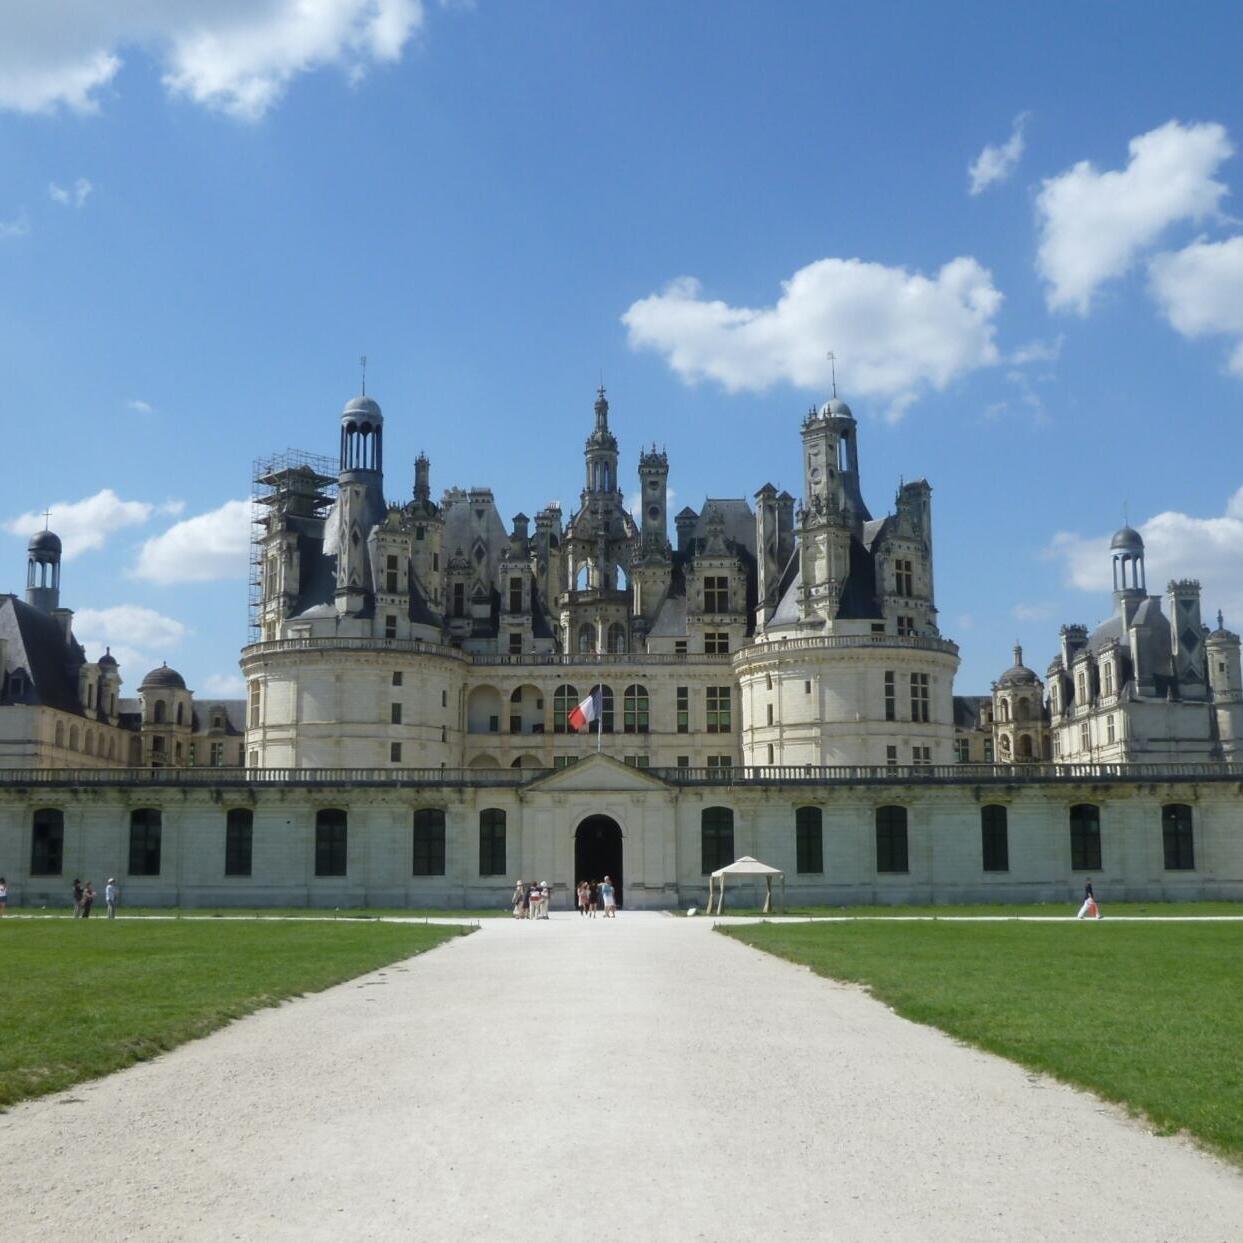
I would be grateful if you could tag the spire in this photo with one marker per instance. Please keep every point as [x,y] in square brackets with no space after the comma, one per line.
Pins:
[602,410]
[1018,654]
[1221,625]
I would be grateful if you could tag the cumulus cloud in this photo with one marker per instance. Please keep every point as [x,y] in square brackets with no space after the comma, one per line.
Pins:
[1176,545]
[85,525]
[1200,291]
[996,163]
[139,637]
[896,332]
[224,685]
[207,547]
[237,56]
[71,196]
[1093,225]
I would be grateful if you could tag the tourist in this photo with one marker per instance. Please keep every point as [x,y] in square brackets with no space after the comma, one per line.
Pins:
[593,899]
[77,898]
[610,898]
[584,892]
[533,900]
[111,893]
[88,900]
[1089,909]
[4,895]
[520,901]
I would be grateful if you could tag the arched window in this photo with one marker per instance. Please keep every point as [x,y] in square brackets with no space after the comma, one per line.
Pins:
[1176,833]
[891,843]
[47,841]
[429,841]
[88,742]
[239,832]
[586,637]
[492,842]
[1005,709]
[617,637]
[563,701]
[1022,710]
[1085,837]
[606,708]
[994,838]
[331,842]
[159,712]
[60,733]
[716,838]
[73,738]
[809,839]
[635,710]
[145,831]
[1025,747]
[181,708]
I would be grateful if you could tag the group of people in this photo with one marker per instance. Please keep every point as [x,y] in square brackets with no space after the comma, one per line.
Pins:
[531,901]
[595,894]
[84,898]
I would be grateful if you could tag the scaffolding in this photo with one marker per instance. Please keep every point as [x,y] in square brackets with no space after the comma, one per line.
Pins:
[308,479]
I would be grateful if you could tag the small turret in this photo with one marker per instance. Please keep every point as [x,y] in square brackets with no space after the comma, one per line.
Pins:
[43,571]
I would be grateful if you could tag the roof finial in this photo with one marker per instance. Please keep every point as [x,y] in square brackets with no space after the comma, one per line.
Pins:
[833,366]
[1221,625]
[1018,652]
[47,517]
[362,362]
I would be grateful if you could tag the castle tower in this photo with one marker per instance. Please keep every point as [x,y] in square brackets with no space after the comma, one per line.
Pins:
[600,451]
[360,500]
[1020,729]
[1226,684]
[43,572]
[1130,580]
[1187,638]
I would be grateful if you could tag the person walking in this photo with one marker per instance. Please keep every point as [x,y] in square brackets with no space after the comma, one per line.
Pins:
[88,900]
[609,895]
[584,891]
[593,898]
[520,900]
[111,893]
[1089,909]
[77,898]
[545,897]
[4,895]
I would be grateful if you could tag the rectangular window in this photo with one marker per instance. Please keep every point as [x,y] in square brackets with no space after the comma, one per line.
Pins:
[769,714]
[254,705]
[962,750]
[1081,688]
[1109,677]
[684,761]
[891,844]
[1085,737]
[994,838]
[145,832]
[419,532]
[1109,729]
[492,842]
[806,688]
[637,761]
[390,625]
[906,625]
[919,696]
[390,575]
[679,647]
[396,677]
[719,716]
[716,596]
[904,578]
[394,714]
[563,761]
[891,696]
[435,561]
[1177,838]
[217,754]
[515,595]
[239,832]
[721,761]
[809,840]
[878,627]
[515,643]
[459,599]
[716,838]
[429,841]
[988,750]
[394,752]
[891,757]
[1085,837]
[331,841]
[444,699]
[716,642]
[921,756]
[683,694]
[772,752]
[47,841]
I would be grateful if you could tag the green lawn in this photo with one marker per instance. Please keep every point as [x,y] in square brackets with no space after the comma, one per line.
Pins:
[82,999]
[1065,910]
[276,912]
[1147,1015]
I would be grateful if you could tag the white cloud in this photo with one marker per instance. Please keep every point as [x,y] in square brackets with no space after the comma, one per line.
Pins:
[86,524]
[138,637]
[209,546]
[996,163]
[1032,612]
[71,196]
[19,226]
[1037,352]
[224,685]
[1094,225]
[1200,291]
[237,56]
[140,407]
[895,332]
[1176,545]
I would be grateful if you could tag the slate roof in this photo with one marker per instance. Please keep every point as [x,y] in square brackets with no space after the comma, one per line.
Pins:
[37,645]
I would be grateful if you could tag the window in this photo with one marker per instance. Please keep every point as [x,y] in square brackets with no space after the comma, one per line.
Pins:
[769,714]
[716,839]
[808,839]
[254,705]
[397,679]
[637,761]
[1109,677]
[719,717]
[807,688]
[515,594]
[159,713]
[429,841]
[47,841]
[683,695]
[331,840]
[1109,729]
[962,750]
[994,838]
[390,625]
[420,533]
[394,714]
[906,625]
[772,752]
[891,696]
[721,761]
[1085,737]
[919,696]
[394,752]
[891,849]
[716,642]
[459,599]
[217,754]
[586,637]
[679,647]
[435,561]
[904,578]
[988,750]
[684,761]
[492,842]
[1177,836]
[390,575]
[1085,837]
[239,832]
[515,643]
[254,759]
[617,638]
[635,712]
[145,825]
[878,627]
[716,596]
[921,756]
[444,699]
[1081,687]
[891,757]
[563,701]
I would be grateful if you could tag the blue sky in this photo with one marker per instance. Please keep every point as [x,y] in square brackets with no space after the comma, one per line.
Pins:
[208,213]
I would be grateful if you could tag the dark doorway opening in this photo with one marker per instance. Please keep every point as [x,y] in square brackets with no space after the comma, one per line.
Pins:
[598,852]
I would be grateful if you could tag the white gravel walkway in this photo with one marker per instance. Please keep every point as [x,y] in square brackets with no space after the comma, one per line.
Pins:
[594,1080]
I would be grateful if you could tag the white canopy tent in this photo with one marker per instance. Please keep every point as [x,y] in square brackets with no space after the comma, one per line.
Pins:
[746,866]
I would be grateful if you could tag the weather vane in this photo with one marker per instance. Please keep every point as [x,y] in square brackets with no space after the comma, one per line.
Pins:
[833,364]
[362,362]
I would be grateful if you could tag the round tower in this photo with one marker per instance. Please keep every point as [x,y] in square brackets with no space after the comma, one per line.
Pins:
[1020,730]
[601,451]
[1225,681]
[43,571]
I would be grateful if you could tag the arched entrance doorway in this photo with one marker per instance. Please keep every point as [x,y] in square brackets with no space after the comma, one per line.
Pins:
[598,852]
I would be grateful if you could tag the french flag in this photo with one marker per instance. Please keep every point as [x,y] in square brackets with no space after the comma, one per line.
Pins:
[586,712]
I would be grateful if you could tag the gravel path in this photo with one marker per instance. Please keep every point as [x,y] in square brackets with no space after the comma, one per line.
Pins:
[591,1080]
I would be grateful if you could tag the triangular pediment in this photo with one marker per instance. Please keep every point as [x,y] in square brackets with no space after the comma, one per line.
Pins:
[599,772]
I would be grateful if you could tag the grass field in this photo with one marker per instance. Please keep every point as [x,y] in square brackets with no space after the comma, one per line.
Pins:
[1147,1015]
[276,912]
[83,999]
[1063,910]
